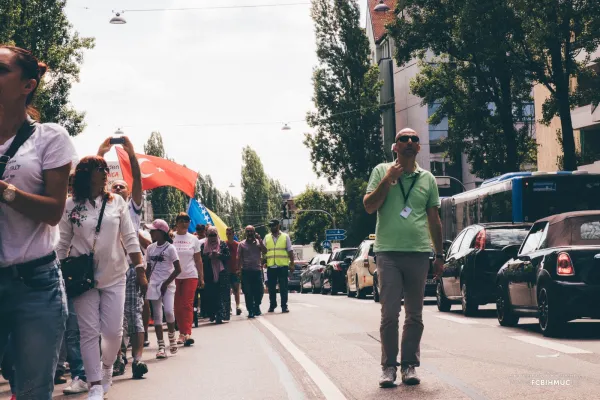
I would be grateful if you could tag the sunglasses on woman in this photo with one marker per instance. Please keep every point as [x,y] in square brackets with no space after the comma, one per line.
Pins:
[404,139]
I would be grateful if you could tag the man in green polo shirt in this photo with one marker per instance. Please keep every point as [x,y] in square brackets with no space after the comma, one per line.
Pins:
[406,199]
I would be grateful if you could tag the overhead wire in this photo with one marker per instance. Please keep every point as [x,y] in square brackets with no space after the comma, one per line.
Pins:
[201,8]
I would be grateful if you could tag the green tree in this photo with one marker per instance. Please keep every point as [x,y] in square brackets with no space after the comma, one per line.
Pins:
[347,142]
[309,227]
[276,190]
[551,38]
[358,224]
[478,83]
[42,27]
[255,190]
[166,201]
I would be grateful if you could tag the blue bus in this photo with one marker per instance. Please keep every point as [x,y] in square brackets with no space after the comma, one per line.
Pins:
[520,197]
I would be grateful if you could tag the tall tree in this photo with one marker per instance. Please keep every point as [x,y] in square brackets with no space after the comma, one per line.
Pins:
[255,189]
[276,190]
[467,67]
[358,224]
[347,143]
[551,37]
[166,201]
[42,27]
[309,227]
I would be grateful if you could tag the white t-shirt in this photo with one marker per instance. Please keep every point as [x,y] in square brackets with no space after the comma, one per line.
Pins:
[135,212]
[22,239]
[187,245]
[160,259]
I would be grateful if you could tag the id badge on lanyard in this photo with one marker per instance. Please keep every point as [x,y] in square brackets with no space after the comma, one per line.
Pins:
[406,211]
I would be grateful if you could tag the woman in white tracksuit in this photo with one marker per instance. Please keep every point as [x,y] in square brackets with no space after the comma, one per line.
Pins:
[99,310]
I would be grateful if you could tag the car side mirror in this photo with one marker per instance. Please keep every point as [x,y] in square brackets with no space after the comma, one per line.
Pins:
[447,245]
[323,263]
[511,250]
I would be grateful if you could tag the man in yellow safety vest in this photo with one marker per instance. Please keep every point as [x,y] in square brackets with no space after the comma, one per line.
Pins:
[279,257]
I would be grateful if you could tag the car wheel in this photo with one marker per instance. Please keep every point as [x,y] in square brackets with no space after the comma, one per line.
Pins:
[333,290]
[469,307]
[314,288]
[375,291]
[550,320]
[348,291]
[360,293]
[443,304]
[323,290]
[504,311]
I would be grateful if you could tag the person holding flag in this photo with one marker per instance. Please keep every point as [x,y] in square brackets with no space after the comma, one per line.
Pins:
[137,283]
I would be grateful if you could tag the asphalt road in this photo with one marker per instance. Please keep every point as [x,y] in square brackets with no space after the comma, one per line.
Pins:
[328,347]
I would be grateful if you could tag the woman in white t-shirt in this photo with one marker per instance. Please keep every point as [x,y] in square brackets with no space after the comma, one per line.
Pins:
[190,279]
[99,310]
[164,266]
[33,191]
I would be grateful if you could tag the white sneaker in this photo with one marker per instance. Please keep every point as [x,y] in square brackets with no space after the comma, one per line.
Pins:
[76,386]
[388,377]
[96,393]
[106,378]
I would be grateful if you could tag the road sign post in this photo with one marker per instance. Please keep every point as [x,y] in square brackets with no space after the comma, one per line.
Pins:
[335,237]
[326,244]
[335,232]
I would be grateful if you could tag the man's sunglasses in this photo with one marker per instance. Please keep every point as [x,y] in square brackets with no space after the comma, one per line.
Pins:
[212,235]
[186,220]
[106,170]
[119,187]
[404,139]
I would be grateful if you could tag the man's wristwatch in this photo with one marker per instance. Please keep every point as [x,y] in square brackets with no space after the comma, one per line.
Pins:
[439,256]
[9,193]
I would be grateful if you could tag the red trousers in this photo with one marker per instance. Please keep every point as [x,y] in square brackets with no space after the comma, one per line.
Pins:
[184,304]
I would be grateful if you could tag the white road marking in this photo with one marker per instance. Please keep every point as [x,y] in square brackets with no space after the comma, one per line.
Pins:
[327,387]
[306,305]
[548,355]
[549,344]
[458,320]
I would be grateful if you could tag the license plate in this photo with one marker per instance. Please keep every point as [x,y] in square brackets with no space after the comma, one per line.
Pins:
[430,282]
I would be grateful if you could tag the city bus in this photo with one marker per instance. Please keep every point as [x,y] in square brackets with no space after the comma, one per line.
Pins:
[520,197]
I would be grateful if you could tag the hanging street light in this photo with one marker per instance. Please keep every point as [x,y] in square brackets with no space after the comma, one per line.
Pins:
[286,127]
[118,19]
[232,185]
[381,7]
[119,132]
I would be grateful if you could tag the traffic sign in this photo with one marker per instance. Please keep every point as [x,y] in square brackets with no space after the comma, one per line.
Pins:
[335,237]
[335,232]
[326,244]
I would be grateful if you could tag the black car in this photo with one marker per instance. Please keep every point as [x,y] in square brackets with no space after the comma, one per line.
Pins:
[334,276]
[556,274]
[294,277]
[472,263]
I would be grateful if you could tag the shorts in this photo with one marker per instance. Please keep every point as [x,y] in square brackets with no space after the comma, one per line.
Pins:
[233,278]
[134,305]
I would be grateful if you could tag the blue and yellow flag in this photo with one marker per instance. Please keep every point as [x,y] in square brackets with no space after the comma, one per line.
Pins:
[202,215]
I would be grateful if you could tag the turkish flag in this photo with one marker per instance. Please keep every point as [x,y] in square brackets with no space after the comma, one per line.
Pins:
[157,172]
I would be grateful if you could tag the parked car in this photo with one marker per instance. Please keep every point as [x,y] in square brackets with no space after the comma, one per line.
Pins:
[472,263]
[334,276]
[556,274]
[430,283]
[294,277]
[311,276]
[359,277]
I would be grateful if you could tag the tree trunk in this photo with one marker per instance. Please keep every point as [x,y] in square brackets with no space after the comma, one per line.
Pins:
[505,110]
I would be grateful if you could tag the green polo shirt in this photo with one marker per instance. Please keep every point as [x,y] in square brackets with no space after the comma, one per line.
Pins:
[394,232]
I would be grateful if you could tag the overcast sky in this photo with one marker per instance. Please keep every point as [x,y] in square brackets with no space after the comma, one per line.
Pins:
[211,81]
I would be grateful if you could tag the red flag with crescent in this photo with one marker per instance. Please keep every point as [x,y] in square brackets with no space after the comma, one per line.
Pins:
[157,172]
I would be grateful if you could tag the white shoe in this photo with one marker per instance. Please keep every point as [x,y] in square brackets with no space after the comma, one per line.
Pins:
[388,377]
[76,386]
[96,393]
[107,378]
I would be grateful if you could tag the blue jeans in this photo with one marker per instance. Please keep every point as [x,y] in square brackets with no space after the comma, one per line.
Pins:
[71,347]
[33,312]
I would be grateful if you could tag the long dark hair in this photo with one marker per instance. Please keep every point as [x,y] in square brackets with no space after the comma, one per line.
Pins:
[82,188]
[31,68]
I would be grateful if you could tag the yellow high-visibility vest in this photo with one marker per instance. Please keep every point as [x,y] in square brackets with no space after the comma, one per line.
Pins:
[277,255]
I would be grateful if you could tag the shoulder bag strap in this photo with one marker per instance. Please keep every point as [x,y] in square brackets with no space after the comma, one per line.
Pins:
[23,134]
[99,222]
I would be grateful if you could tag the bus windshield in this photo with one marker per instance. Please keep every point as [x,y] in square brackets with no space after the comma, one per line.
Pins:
[559,194]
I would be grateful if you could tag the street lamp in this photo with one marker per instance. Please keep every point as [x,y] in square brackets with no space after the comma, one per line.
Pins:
[118,19]
[232,185]
[286,128]
[454,179]
[119,132]
[381,7]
